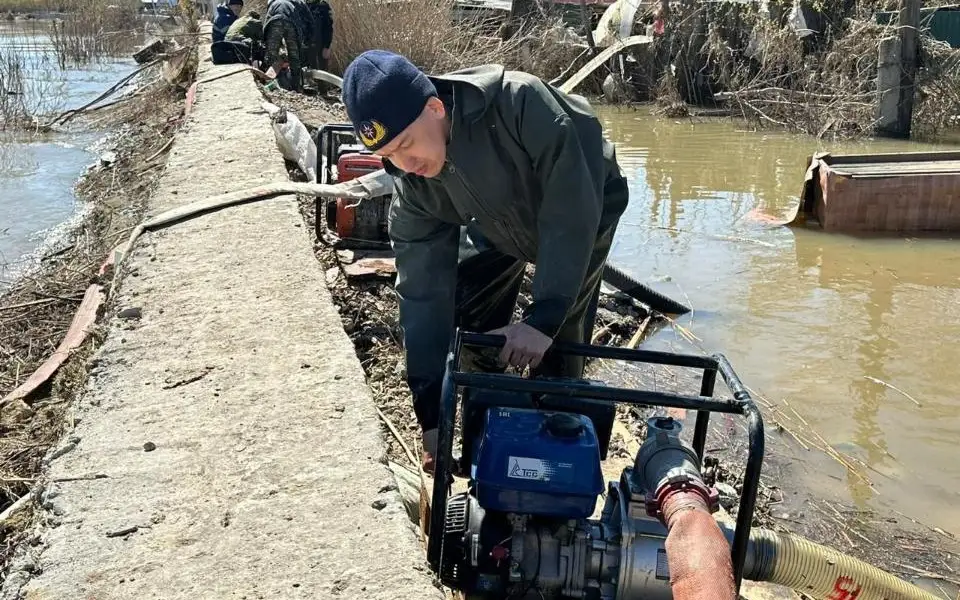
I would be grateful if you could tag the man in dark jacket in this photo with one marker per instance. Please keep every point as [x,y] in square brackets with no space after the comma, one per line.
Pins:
[226,14]
[493,169]
[289,24]
[323,33]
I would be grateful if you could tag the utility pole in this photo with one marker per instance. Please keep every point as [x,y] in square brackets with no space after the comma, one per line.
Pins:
[909,24]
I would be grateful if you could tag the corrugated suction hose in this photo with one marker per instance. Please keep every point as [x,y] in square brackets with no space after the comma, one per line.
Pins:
[821,572]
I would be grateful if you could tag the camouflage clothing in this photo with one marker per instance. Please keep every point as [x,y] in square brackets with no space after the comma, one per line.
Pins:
[288,23]
[245,28]
[284,33]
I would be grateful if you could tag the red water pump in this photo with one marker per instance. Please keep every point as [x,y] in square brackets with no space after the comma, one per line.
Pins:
[342,158]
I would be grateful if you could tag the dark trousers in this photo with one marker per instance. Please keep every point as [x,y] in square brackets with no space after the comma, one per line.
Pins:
[283,33]
[488,284]
[231,52]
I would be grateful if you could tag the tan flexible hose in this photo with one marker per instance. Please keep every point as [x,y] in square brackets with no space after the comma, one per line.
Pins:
[370,185]
[824,573]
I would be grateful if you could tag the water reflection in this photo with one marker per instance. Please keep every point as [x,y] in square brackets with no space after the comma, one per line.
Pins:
[803,315]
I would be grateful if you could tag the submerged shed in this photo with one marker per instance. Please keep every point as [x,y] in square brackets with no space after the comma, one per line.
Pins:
[903,193]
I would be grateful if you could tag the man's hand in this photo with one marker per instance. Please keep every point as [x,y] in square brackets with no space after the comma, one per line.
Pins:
[429,440]
[326,53]
[525,345]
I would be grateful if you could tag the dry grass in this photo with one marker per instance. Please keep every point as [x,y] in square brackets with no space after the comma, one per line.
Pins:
[826,87]
[28,86]
[938,99]
[426,32]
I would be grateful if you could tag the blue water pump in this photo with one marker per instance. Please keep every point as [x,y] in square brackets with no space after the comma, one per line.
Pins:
[531,450]
[538,462]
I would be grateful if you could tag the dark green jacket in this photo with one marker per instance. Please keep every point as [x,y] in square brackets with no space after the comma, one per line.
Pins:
[528,165]
[245,28]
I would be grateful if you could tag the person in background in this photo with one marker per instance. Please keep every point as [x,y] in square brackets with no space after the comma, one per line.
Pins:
[248,31]
[323,33]
[288,24]
[226,15]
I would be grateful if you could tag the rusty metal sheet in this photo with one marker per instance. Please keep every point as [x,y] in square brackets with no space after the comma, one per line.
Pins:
[906,203]
[898,169]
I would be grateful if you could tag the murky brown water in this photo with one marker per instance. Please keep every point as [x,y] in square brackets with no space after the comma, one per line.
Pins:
[803,315]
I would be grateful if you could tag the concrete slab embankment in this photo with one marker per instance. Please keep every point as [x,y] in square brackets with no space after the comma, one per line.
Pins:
[242,454]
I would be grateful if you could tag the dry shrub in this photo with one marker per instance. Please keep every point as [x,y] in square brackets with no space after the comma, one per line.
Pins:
[937,103]
[438,38]
[826,87]
[669,102]
[187,13]
[773,78]
[95,30]
[435,38]
[428,33]
[27,87]
[421,30]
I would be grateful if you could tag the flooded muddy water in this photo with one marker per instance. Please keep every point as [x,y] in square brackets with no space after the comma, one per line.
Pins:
[38,171]
[826,322]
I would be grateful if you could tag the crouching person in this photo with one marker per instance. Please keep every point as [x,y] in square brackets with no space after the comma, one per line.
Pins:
[288,24]
[246,35]
[493,169]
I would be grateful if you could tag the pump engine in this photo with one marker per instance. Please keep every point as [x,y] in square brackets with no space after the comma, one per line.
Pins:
[532,451]
[342,157]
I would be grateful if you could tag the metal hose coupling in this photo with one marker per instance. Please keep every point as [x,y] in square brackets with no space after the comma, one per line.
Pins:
[665,466]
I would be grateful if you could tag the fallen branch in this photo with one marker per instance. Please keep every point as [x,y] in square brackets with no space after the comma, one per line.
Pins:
[556,80]
[893,387]
[599,334]
[783,91]
[161,150]
[929,574]
[635,340]
[27,304]
[936,530]
[396,433]
[16,506]
[257,72]
[67,115]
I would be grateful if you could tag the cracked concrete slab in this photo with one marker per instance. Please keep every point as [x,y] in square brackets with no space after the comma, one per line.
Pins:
[241,451]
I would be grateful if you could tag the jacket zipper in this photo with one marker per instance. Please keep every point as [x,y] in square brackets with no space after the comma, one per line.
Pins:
[476,201]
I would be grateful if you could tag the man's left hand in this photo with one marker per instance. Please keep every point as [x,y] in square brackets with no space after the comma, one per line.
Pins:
[326,53]
[525,345]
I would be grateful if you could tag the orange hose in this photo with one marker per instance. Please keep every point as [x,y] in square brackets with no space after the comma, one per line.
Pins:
[697,550]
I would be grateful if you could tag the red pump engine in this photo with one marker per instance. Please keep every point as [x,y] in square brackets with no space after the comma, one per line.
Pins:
[342,158]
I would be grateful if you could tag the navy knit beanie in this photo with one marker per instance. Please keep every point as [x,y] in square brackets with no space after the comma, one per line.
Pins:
[384,93]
